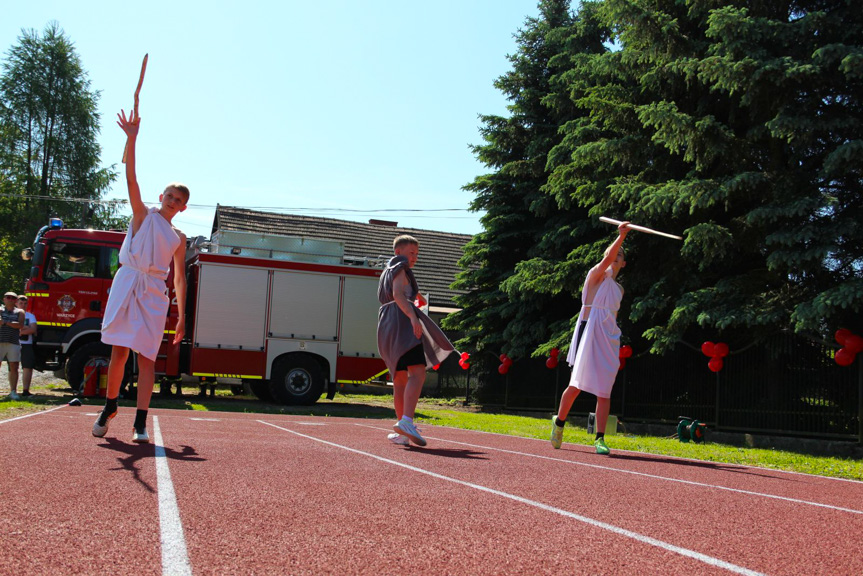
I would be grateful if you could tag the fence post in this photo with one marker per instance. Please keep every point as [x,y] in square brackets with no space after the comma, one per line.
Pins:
[860,401]
[467,388]
[716,423]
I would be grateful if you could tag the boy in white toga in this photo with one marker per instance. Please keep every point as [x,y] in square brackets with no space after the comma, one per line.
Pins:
[138,302]
[594,352]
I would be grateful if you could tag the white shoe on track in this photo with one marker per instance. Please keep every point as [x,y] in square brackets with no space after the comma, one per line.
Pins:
[406,428]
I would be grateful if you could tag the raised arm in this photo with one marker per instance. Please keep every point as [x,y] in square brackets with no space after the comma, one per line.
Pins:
[598,272]
[180,288]
[130,127]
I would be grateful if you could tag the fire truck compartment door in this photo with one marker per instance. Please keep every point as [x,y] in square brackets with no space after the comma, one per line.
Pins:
[360,317]
[232,307]
[305,306]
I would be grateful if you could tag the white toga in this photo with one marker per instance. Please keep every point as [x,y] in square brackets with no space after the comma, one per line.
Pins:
[595,364]
[138,301]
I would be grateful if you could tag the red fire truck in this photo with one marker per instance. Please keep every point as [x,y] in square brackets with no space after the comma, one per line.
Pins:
[290,316]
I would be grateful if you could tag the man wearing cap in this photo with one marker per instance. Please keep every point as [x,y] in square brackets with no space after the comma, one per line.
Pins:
[11,322]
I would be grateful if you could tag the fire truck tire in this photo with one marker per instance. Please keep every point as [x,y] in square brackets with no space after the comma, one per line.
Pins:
[79,358]
[296,380]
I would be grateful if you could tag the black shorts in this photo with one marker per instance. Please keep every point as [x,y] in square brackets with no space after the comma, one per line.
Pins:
[28,356]
[412,357]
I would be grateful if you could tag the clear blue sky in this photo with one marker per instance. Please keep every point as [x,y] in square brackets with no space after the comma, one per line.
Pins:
[288,105]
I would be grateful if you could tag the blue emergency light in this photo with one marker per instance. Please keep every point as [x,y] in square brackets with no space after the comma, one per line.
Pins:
[55,223]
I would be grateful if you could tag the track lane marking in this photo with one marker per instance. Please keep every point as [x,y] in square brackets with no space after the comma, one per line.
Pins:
[175,559]
[681,458]
[31,414]
[710,560]
[645,474]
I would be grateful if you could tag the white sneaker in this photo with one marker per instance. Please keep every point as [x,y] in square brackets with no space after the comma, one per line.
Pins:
[408,429]
[140,437]
[14,396]
[397,438]
[100,431]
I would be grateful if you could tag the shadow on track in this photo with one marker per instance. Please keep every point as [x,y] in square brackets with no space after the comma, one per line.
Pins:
[135,452]
[692,464]
[451,452]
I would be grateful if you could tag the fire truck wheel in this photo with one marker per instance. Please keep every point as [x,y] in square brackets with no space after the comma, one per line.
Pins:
[79,358]
[297,379]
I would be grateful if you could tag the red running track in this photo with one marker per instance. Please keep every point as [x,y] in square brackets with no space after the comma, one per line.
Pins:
[227,493]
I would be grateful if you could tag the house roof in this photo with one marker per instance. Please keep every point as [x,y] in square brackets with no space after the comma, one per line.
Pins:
[436,267]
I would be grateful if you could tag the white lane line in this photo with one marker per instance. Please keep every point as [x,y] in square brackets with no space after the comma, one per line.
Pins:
[175,560]
[776,471]
[644,474]
[33,414]
[205,419]
[710,560]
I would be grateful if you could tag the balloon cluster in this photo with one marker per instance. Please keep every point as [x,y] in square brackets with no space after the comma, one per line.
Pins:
[505,363]
[551,363]
[716,352]
[851,343]
[464,361]
[625,352]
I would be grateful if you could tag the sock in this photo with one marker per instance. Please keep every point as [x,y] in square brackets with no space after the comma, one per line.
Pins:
[140,421]
[559,422]
[409,420]
[110,408]
[600,435]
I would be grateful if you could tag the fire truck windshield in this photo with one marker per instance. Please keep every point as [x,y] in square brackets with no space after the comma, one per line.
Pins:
[69,261]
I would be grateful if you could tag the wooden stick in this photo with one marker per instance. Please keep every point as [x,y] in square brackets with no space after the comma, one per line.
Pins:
[137,92]
[639,228]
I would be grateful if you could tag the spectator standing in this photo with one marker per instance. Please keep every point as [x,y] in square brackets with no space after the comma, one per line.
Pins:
[11,322]
[28,352]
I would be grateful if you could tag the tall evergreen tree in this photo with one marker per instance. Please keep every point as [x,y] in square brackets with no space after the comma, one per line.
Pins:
[737,123]
[49,154]
[495,319]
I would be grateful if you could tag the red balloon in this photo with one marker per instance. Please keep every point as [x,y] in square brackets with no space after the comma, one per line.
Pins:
[841,335]
[707,349]
[622,363]
[555,352]
[715,364]
[854,343]
[508,361]
[436,366]
[844,357]
[502,357]
[551,363]
[464,365]
[503,369]
[720,350]
[465,356]
[625,351]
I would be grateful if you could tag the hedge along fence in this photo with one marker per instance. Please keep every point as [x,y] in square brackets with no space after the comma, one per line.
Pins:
[786,385]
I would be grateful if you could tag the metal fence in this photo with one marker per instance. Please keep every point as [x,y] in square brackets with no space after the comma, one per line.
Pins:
[786,385]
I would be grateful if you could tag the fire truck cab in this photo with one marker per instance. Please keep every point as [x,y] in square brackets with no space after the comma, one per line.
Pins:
[286,315]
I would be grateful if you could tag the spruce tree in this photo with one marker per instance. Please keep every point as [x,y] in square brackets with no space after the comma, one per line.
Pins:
[493,319]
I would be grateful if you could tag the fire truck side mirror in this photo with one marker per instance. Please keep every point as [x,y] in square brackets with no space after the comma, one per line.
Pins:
[27,254]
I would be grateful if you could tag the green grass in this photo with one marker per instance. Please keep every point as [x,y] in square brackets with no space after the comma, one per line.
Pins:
[434,412]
